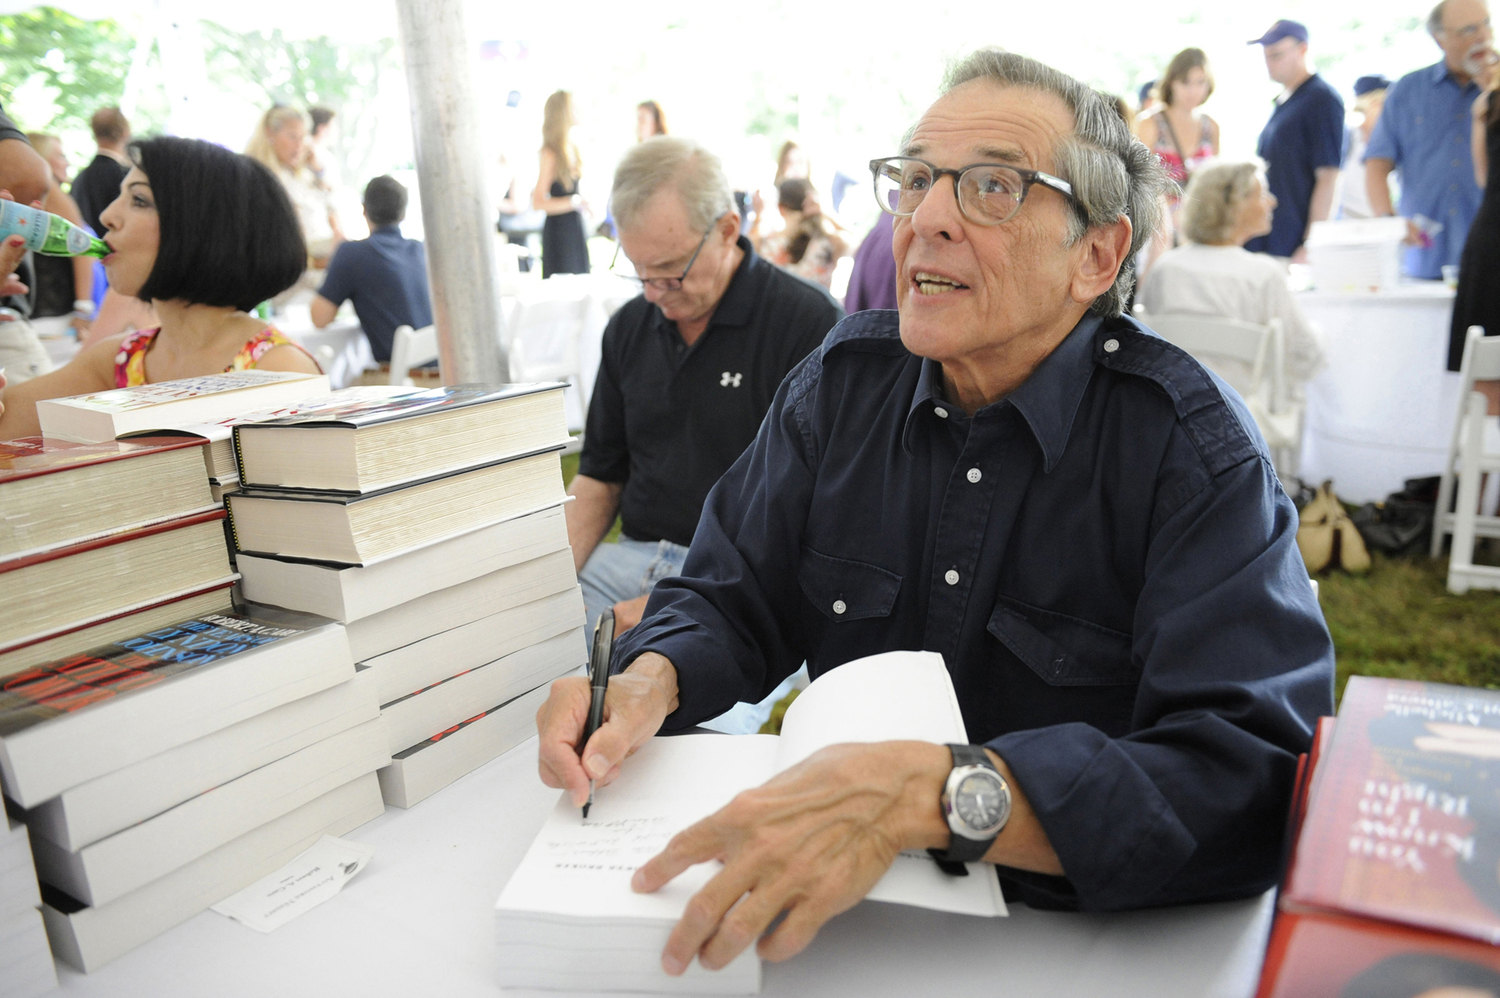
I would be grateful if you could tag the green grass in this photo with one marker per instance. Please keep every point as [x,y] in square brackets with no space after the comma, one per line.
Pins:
[1400,621]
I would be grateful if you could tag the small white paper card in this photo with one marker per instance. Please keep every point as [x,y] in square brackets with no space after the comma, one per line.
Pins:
[303,884]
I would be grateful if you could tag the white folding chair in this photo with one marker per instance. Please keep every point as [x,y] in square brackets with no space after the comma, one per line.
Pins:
[1466,463]
[411,348]
[1263,348]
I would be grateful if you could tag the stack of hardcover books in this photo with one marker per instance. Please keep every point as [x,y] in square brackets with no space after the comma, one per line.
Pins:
[165,771]
[102,541]
[25,961]
[1393,884]
[431,525]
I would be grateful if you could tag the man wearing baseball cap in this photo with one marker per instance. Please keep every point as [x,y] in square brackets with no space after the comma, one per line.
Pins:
[1424,132]
[1302,144]
[1369,97]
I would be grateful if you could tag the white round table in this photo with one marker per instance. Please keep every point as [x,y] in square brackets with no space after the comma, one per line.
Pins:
[1382,411]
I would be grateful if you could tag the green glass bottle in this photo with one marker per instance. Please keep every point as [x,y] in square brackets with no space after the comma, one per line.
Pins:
[46,233]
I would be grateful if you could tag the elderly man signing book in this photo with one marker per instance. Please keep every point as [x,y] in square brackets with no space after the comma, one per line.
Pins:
[1079,518]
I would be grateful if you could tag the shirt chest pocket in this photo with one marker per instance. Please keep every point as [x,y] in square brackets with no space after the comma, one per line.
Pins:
[1064,650]
[847,590]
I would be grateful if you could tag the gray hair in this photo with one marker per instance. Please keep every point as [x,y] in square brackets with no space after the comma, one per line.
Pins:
[1113,174]
[691,170]
[1435,19]
[1211,205]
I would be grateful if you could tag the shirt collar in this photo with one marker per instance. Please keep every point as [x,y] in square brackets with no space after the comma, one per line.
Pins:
[1048,400]
[1440,72]
[736,305]
[393,229]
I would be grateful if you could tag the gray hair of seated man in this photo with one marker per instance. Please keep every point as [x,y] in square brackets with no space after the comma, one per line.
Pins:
[1113,174]
[1213,199]
[1435,19]
[669,160]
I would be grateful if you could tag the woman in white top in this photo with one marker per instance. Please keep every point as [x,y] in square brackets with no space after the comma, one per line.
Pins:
[280,142]
[1225,205]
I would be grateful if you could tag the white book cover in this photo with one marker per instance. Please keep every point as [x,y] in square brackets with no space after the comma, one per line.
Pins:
[206,399]
[350,593]
[574,882]
[127,860]
[419,772]
[88,938]
[465,603]
[469,646]
[421,714]
[110,803]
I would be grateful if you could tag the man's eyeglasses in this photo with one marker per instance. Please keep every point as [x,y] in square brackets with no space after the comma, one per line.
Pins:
[665,283]
[988,193]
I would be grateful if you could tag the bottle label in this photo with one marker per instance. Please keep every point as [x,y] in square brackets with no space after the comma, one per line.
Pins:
[28,223]
[78,242]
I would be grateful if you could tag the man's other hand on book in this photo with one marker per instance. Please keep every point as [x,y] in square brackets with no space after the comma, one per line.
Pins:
[628,613]
[638,701]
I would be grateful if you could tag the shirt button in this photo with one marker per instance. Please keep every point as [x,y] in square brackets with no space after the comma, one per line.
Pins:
[940,412]
[1111,345]
[951,578]
[1456,163]
[974,475]
[839,606]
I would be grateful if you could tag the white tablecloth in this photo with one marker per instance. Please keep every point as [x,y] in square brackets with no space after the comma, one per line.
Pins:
[340,347]
[420,921]
[1382,410]
[571,350]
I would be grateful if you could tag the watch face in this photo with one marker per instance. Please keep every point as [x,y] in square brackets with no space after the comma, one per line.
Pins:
[981,800]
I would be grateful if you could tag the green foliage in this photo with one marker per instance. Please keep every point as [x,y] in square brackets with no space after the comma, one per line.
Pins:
[266,68]
[82,63]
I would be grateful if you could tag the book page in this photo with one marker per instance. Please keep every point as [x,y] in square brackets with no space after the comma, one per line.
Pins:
[582,869]
[896,696]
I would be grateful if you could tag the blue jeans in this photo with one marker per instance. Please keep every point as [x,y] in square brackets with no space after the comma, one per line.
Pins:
[630,568]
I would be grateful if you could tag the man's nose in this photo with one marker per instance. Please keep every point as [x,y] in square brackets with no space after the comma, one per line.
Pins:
[938,214]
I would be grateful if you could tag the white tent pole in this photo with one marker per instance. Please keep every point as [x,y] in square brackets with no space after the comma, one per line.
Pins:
[450,173]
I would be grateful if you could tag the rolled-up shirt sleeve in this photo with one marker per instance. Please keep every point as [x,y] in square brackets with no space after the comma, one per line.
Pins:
[725,624]
[1235,663]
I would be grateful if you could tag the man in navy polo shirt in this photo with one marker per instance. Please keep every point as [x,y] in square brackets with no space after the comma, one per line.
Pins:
[1302,144]
[1424,132]
[686,372]
[385,275]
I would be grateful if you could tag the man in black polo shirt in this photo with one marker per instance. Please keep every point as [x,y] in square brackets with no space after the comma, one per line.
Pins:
[98,184]
[386,275]
[1302,144]
[687,370]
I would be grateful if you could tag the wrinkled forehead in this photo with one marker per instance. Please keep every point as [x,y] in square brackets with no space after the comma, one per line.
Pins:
[1462,13]
[984,121]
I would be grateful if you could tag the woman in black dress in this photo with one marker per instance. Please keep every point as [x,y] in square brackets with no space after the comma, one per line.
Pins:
[564,247]
[1477,302]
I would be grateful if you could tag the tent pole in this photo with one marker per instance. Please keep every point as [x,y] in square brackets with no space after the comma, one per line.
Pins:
[456,211]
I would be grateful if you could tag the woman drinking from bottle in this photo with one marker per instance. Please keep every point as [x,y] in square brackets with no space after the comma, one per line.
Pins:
[204,235]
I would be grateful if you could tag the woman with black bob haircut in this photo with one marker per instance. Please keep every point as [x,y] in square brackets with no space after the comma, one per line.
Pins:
[204,235]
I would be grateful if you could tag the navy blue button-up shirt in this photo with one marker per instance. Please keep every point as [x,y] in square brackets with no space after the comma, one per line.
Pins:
[1104,559]
[1424,129]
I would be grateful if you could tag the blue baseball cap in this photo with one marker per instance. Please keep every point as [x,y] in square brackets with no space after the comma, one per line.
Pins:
[1370,84]
[1145,91]
[1280,30]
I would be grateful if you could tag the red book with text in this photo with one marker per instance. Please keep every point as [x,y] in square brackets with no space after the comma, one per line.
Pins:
[1404,822]
[1394,881]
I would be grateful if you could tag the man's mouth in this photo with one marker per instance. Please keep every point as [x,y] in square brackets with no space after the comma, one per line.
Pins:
[935,284]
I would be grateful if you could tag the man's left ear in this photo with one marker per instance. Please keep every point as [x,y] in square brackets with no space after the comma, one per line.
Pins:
[1100,255]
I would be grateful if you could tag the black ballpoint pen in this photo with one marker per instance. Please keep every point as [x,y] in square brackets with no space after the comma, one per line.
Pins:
[604,639]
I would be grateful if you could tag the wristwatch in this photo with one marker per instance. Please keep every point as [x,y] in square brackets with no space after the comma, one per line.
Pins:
[976,805]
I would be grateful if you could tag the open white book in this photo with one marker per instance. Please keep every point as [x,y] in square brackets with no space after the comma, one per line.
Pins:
[568,918]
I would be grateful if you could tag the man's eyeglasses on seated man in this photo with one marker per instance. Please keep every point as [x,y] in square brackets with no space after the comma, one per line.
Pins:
[664,283]
[988,193]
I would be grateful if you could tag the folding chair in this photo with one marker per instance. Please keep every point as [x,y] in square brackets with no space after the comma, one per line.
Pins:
[1467,461]
[411,348]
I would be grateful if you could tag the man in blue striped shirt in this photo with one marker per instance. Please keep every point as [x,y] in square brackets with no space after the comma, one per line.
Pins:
[1424,133]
